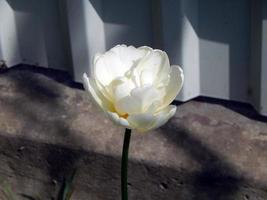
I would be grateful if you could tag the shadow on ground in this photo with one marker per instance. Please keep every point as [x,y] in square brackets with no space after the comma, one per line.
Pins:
[216,178]
[98,175]
[28,163]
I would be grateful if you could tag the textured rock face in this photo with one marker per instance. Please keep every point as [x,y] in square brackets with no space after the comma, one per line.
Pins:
[48,128]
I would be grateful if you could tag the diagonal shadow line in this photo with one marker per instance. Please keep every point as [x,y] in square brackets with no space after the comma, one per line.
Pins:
[99,175]
[242,108]
[59,76]
[216,176]
[245,109]
[37,91]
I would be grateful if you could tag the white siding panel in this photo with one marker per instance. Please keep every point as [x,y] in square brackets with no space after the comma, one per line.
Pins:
[221,45]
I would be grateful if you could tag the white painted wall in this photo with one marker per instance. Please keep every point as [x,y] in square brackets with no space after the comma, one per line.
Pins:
[127,22]
[255,55]
[181,42]
[95,26]
[31,33]
[224,33]
[263,89]
[258,61]
[86,30]
[9,46]
[220,46]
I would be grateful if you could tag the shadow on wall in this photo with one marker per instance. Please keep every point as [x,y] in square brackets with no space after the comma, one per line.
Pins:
[1,54]
[224,32]
[212,39]
[40,33]
[126,22]
[223,29]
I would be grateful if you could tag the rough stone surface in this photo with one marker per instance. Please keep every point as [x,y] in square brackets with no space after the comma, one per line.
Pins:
[48,127]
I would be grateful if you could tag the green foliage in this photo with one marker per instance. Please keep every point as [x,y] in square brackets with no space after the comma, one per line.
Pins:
[67,188]
[6,191]
[65,193]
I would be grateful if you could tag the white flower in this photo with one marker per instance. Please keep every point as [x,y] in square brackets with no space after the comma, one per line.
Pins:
[135,86]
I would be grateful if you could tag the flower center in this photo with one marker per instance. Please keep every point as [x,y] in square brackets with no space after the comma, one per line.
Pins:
[125,116]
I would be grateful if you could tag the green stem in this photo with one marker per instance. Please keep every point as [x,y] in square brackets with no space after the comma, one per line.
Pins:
[124,164]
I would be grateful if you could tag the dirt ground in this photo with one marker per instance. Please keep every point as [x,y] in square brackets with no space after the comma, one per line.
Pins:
[210,150]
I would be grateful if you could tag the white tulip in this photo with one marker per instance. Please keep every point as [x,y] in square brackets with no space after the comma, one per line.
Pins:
[135,86]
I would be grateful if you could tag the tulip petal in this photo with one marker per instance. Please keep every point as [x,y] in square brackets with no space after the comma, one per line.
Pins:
[174,86]
[99,99]
[153,67]
[127,105]
[141,122]
[118,120]
[96,56]
[116,62]
[105,90]
[134,86]
[146,95]
[129,54]
[108,67]
[163,116]
[140,100]
[147,121]
[121,88]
